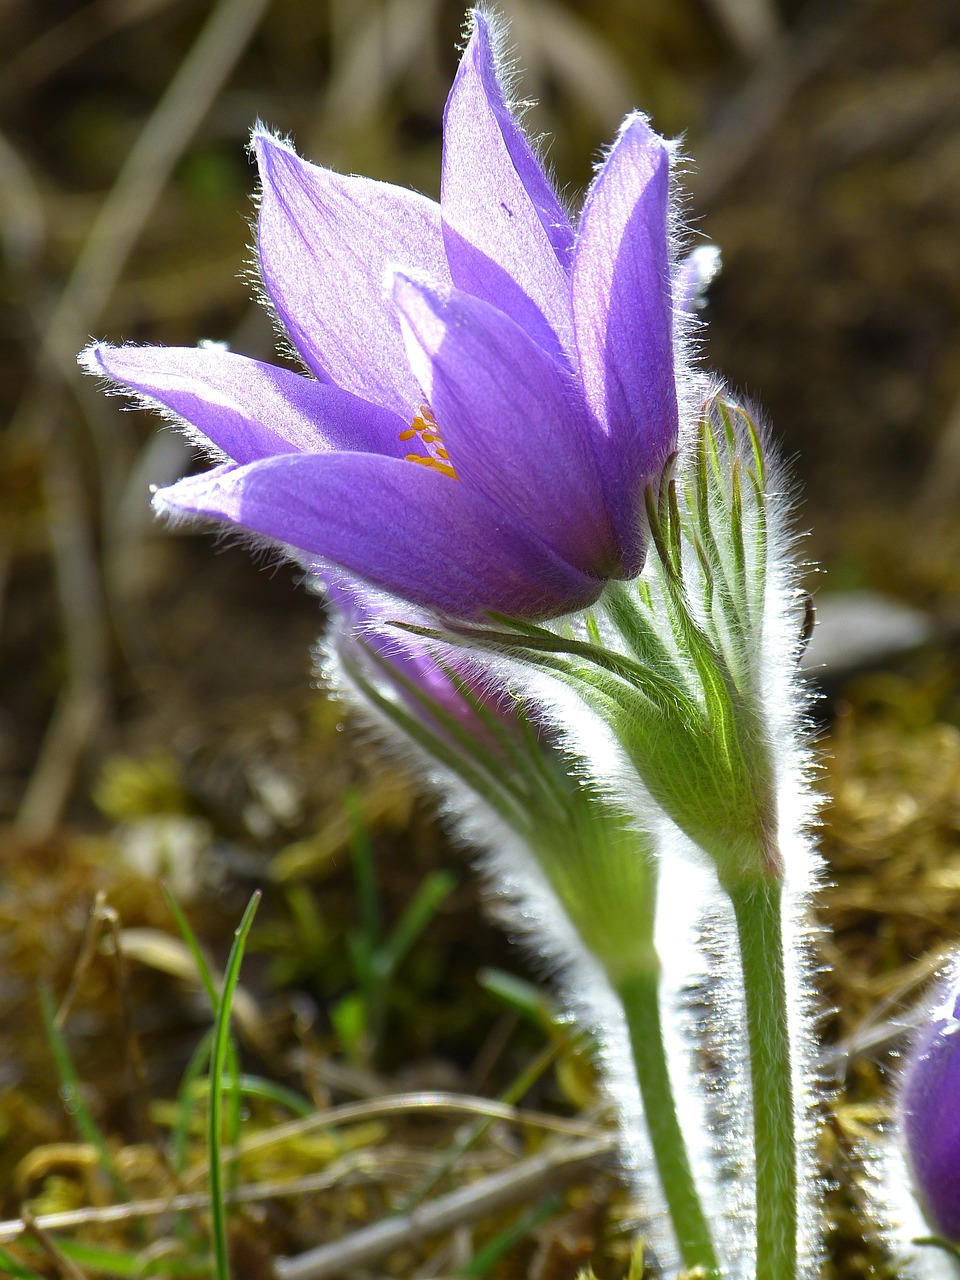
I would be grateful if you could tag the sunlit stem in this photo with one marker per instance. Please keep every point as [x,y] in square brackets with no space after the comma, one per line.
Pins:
[640,996]
[757,904]
[602,871]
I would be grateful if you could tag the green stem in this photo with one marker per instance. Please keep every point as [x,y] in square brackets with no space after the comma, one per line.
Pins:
[640,997]
[757,904]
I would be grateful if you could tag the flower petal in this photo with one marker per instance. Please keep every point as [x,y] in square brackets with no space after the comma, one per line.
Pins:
[508,239]
[929,1107]
[325,242]
[512,420]
[245,408]
[397,526]
[623,302]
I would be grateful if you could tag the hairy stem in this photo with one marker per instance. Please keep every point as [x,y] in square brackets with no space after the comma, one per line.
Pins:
[640,997]
[757,905]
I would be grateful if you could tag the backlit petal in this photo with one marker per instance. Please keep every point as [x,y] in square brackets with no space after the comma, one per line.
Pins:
[325,242]
[399,527]
[623,304]
[245,408]
[508,239]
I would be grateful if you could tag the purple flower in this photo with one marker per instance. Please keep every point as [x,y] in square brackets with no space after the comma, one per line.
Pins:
[491,388]
[929,1108]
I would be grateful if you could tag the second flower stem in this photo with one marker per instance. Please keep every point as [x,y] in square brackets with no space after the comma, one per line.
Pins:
[757,905]
[640,997]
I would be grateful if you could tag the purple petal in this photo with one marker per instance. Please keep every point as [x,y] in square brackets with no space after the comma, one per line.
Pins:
[623,304]
[508,240]
[325,243]
[400,527]
[930,1111]
[247,409]
[512,421]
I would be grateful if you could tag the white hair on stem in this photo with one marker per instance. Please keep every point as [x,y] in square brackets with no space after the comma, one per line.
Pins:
[765,660]
[524,901]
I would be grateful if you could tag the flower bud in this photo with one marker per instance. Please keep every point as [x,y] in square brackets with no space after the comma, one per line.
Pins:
[929,1112]
[460,711]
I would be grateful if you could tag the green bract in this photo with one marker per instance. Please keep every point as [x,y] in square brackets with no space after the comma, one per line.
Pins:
[674,661]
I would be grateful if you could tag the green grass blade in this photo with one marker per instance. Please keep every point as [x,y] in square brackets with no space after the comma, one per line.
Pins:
[363,871]
[521,996]
[263,1090]
[189,1081]
[190,938]
[485,1259]
[234,1116]
[218,1062]
[105,1262]
[72,1093]
[9,1266]
[418,914]
[112,1262]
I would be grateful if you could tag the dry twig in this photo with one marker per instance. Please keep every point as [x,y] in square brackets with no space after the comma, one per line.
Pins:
[489,1195]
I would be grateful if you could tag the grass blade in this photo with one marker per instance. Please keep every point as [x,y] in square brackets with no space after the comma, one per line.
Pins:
[418,914]
[190,938]
[218,1063]
[485,1259]
[72,1093]
[9,1266]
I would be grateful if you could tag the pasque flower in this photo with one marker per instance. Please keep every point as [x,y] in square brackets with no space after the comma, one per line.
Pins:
[929,1107]
[489,388]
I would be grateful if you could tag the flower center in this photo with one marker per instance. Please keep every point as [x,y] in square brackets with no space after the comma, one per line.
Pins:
[424,427]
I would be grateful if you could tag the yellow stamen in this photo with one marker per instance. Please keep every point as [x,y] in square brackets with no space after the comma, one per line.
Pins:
[424,425]
[433,463]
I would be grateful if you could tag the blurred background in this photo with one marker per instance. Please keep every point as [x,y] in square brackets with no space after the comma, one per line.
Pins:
[158,710]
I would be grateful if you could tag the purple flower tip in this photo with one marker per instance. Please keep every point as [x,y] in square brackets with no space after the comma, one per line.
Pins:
[457,688]
[488,390]
[929,1112]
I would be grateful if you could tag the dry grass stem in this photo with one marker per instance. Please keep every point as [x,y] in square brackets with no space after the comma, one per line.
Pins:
[534,1176]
